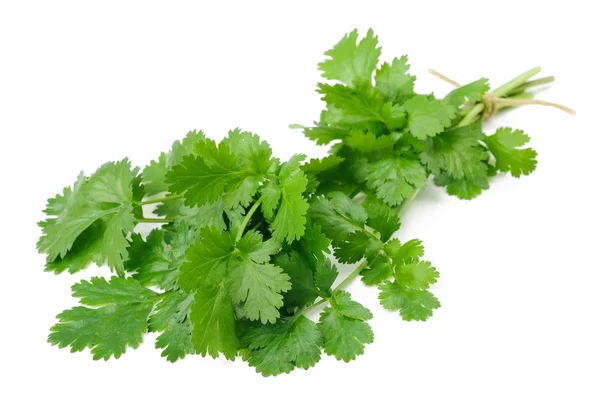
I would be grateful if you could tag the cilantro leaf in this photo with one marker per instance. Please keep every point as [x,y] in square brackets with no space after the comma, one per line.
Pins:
[171,318]
[107,195]
[213,323]
[153,176]
[314,244]
[201,183]
[338,216]
[427,117]
[472,92]
[458,153]
[410,251]
[325,275]
[251,153]
[382,218]
[417,275]
[298,268]
[506,145]
[157,260]
[462,188]
[356,246]
[394,81]
[377,270]
[344,329]
[412,304]
[254,284]
[86,248]
[353,104]
[206,262]
[290,220]
[322,133]
[368,142]
[351,61]
[394,179]
[119,302]
[279,348]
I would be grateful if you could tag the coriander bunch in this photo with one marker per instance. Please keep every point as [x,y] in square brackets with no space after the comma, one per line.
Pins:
[244,248]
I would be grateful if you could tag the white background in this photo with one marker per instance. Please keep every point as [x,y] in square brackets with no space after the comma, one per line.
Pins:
[82,83]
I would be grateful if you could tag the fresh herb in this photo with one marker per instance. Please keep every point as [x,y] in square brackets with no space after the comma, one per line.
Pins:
[246,243]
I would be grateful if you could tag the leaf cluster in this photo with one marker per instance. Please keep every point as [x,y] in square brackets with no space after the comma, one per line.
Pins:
[248,245]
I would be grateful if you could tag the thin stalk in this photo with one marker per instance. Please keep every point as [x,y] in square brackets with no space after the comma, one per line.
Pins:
[520,96]
[530,84]
[406,204]
[247,219]
[339,287]
[311,307]
[351,276]
[154,220]
[511,85]
[502,91]
[164,199]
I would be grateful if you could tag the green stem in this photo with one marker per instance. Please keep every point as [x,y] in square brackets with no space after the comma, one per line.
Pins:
[521,96]
[406,204]
[311,307]
[502,91]
[164,199]
[351,276]
[530,84]
[247,219]
[511,85]
[154,220]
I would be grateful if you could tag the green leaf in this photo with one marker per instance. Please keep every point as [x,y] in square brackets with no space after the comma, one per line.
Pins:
[325,275]
[313,243]
[254,284]
[345,306]
[462,188]
[278,348]
[338,216]
[205,180]
[382,218]
[394,116]
[416,275]
[323,134]
[377,270]
[319,165]
[251,153]
[106,195]
[350,62]
[458,152]
[157,260]
[368,142]
[412,304]
[153,176]
[410,251]
[353,104]
[207,260]
[114,243]
[394,81]
[343,337]
[394,179]
[119,302]
[506,145]
[356,246]
[86,248]
[289,223]
[298,268]
[428,117]
[213,323]
[472,92]
[172,318]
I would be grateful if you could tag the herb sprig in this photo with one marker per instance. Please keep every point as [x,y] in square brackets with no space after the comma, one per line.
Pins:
[248,245]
